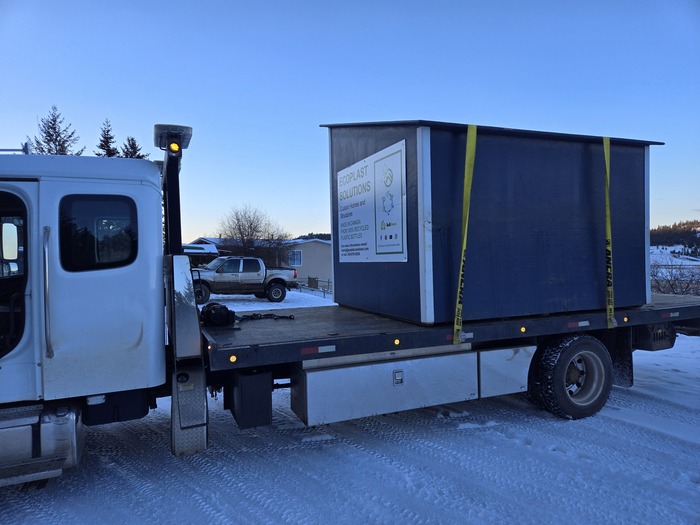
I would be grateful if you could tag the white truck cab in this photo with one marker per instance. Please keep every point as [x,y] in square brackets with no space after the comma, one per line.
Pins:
[86,301]
[82,303]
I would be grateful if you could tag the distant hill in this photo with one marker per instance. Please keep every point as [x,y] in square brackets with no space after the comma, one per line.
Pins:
[686,233]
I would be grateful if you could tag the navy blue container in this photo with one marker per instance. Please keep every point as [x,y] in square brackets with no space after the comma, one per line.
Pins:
[536,237]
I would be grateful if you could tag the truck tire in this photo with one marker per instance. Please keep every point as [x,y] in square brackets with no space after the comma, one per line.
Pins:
[276,293]
[573,378]
[201,292]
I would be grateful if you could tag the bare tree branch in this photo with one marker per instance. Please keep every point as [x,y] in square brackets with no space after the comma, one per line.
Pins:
[671,277]
[252,229]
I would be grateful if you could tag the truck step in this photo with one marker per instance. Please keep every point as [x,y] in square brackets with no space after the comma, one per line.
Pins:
[38,442]
[28,470]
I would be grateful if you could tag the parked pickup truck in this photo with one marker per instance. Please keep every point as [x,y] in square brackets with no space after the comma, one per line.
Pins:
[242,275]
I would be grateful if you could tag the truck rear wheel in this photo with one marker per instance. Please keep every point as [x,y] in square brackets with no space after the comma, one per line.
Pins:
[201,292]
[574,377]
[276,293]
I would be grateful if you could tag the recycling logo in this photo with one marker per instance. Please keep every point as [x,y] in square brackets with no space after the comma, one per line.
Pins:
[387,202]
[387,177]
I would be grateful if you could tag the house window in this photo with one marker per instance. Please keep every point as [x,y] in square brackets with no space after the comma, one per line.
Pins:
[97,232]
[295,258]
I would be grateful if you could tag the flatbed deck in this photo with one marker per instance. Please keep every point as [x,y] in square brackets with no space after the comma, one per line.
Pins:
[333,331]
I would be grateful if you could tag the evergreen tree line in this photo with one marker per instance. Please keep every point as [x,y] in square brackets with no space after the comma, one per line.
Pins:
[55,138]
[321,236]
[685,233]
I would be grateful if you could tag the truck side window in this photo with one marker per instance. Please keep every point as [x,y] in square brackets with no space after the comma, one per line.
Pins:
[251,265]
[230,266]
[97,232]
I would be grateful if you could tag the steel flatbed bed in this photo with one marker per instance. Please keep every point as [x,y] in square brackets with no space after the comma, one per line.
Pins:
[334,331]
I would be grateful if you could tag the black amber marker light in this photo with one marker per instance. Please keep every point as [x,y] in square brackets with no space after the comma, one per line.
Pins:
[174,148]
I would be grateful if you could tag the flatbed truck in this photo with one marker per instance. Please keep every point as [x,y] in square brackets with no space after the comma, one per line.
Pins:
[98,320]
[360,352]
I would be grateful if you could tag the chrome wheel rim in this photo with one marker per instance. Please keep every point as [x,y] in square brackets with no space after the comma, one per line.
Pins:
[583,380]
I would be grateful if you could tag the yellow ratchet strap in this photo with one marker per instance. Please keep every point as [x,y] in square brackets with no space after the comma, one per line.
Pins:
[457,334]
[609,289]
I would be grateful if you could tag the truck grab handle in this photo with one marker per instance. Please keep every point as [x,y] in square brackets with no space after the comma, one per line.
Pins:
[47,313]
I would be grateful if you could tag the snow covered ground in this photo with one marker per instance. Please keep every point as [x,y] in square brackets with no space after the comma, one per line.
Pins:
[662,255]
[295,299]
[491,461]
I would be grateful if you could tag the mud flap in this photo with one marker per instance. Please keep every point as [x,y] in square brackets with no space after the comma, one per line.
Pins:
[188,417]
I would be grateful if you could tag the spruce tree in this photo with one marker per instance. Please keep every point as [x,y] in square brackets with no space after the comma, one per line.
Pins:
[54,138]
[106,146]
[131,150]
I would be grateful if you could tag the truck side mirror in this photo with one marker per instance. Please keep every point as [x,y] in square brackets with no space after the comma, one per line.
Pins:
[9,242]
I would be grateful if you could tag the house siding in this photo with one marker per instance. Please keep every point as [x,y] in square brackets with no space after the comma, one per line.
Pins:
[315,260]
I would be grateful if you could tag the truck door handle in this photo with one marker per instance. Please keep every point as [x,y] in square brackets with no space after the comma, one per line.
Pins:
[47,313]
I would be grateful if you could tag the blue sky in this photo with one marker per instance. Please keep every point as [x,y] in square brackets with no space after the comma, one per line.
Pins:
[256,79]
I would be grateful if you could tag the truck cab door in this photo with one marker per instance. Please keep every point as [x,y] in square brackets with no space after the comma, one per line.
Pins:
[252,274]
[227,277]
[103,284]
